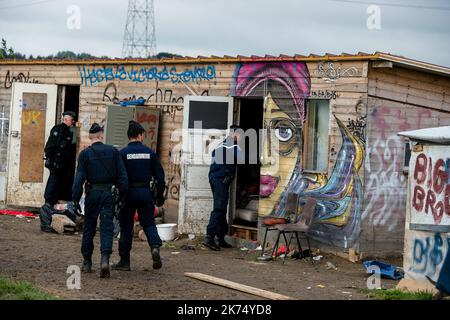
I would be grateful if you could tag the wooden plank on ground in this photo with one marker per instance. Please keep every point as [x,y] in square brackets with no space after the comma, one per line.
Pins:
[237,286]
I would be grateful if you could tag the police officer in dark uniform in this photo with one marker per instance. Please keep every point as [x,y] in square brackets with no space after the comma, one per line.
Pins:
[221,173]
[101,166]
[143,169]
[60,156]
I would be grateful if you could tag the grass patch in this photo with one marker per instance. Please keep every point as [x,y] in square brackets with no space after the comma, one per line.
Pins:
[21,290]
[395,294]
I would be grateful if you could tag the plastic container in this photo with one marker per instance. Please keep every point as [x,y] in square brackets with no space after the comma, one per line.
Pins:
[166,231]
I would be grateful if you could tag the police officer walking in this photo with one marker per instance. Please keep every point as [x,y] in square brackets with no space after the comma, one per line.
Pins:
[60,154]
[221,173]
[102,167]
[143,167]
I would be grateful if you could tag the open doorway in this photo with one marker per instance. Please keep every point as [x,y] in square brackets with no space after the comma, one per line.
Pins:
[245,218]
[69,100]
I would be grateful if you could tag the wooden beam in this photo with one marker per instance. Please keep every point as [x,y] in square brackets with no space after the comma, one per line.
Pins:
[382,64]
[237,286]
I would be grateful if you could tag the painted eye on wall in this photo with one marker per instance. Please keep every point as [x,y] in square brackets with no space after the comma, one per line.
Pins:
[284,133]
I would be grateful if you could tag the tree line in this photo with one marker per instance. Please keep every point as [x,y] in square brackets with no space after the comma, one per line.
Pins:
[9,53]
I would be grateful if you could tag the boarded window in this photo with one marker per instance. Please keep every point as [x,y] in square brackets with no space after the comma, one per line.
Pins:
[316,135]
[117,121]
[116,126]
[32,137]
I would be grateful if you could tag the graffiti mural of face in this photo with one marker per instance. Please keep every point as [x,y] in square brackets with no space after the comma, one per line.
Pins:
[280,156]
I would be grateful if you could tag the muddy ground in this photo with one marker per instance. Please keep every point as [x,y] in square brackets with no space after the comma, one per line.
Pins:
[41,258]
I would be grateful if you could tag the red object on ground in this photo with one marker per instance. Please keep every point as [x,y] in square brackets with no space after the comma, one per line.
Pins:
[155,214]
[17,213]
[282,250]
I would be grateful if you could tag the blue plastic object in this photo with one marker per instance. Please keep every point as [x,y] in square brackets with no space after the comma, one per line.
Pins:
[384,269]
[136,102]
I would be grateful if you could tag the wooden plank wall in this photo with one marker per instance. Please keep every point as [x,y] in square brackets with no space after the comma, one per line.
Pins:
[399,100]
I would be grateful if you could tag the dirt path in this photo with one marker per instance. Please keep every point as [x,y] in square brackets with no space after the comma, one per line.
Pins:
[27,253]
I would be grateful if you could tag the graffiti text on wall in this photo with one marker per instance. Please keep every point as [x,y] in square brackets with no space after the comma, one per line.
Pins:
[21,77]
[167,101]
[431,191]
[331,74]
[323,94]
[358,127]
[93,75]
[428,253]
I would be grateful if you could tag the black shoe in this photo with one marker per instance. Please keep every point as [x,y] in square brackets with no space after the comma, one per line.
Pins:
[122,265]
[439,295]
[87,266]
[104,266]
[210,243]
[157,264]
[223,244]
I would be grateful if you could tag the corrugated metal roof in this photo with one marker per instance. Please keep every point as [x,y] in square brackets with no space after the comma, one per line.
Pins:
[398,60]
[439,135]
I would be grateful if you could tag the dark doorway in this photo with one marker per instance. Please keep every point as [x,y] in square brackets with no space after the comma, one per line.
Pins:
[69,100]
[248,175]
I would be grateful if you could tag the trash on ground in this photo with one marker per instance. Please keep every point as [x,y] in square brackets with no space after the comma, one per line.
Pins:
[331,266]
[244,249]
[175,252]
[320,286]
[187,247]
[265,258]
[16,213]
[383,269]
[309,288]
[259,248]
[191,236]
[317,258]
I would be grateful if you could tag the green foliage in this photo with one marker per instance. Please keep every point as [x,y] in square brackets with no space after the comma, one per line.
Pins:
[21,290]
[395,294]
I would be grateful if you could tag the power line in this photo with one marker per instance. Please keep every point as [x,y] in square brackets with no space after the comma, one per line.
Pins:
[26,4]
[394,5]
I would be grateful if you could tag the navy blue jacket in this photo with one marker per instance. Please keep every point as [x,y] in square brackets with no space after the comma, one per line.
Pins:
[100,164]
[225,159]
[142,164]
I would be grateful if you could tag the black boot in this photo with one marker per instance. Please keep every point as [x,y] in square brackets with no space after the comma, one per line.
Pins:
[157,264]
[210,243]
[104,266]
[222,243]
[122,265]
[87,266]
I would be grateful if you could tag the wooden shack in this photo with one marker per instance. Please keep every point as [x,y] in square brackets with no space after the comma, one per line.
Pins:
[335,120]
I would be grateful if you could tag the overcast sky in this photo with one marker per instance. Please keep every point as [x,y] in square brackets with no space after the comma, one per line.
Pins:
[231,27]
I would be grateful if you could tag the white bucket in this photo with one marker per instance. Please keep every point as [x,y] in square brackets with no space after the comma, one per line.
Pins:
[166,231]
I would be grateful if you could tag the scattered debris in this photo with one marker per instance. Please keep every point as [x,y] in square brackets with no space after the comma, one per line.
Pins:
[259,248]
[244,249]
[331,266]
[265,258]
[61,224]
[317,258]
[187,247]
[320,286]
[17,213]
[309,288]
[384,269]
[175,252]
[191,236]
[20,216]
[346,292]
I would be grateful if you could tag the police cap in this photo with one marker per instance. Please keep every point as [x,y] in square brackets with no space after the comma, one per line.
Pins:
[70,113]
[95,128]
